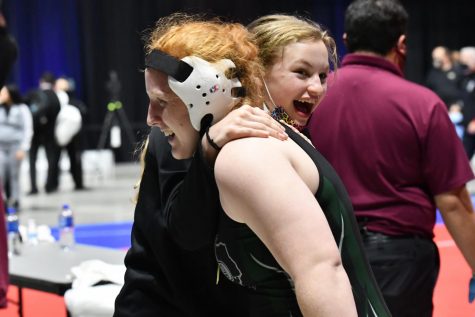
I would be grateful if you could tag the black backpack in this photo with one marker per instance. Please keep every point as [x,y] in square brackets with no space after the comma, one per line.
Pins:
[44,107]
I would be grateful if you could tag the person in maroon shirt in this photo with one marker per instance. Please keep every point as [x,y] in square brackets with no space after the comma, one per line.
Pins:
[397,152]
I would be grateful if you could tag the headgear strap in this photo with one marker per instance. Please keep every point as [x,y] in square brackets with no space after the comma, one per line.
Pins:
[170,65]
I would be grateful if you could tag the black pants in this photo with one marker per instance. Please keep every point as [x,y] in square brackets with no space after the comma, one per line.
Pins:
[469,144]
[46,138]
[73,149]
[406,270]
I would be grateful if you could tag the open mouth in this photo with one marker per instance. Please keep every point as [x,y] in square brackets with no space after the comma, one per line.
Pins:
[304,107]
[168,132]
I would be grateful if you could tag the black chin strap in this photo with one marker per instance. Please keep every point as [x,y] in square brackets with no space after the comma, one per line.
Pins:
[205,123]
[170,65]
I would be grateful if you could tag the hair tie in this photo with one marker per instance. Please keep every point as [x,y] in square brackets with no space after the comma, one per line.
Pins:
[211,142]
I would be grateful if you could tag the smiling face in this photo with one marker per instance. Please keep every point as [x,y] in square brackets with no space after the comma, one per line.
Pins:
[297,79]
[170,114]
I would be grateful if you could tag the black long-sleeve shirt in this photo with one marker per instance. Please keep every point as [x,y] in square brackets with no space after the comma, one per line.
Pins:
[175,204]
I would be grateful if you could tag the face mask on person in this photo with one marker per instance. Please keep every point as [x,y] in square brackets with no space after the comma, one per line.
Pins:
[464,68]
[437,64]
[401,60]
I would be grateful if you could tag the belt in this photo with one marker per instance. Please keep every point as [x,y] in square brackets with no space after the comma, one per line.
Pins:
[371,236]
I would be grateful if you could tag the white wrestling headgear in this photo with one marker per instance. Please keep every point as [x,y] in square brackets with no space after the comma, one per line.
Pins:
[202,86]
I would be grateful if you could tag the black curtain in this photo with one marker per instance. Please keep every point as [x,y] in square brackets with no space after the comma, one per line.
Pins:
[433,23]
[93,37]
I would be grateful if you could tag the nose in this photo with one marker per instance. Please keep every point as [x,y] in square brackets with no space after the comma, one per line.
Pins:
[315,88]
[154,115]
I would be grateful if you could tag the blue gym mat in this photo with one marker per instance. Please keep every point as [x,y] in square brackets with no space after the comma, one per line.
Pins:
[111,235]
[117,235]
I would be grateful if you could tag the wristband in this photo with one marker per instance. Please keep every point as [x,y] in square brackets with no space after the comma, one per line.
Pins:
[471,289]
[211,142]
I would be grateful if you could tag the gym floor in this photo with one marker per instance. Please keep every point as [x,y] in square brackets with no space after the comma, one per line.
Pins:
[104,214]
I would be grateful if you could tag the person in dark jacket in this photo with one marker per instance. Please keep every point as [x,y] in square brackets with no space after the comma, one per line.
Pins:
[444,78]
[44,105]
[467,59]
[74,146]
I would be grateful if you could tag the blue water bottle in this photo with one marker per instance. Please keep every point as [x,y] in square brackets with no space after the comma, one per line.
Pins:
[13,232]
[66,228]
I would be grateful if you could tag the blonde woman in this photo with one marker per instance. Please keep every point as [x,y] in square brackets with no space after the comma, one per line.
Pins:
[281,199]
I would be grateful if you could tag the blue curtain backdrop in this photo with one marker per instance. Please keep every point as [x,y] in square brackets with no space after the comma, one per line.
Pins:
[47,33]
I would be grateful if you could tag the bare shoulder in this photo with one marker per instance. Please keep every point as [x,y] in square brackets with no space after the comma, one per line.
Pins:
[248,160]
[250,154]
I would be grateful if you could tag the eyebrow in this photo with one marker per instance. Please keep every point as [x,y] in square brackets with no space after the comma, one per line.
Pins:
[305,63]
[310,65]
[153,95]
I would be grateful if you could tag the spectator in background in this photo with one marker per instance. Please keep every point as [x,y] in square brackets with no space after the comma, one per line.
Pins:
[16,130]
[396,150]
[8,55]
[444,79]
[455,57]
[73,147]
[44,105]
[467,61]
